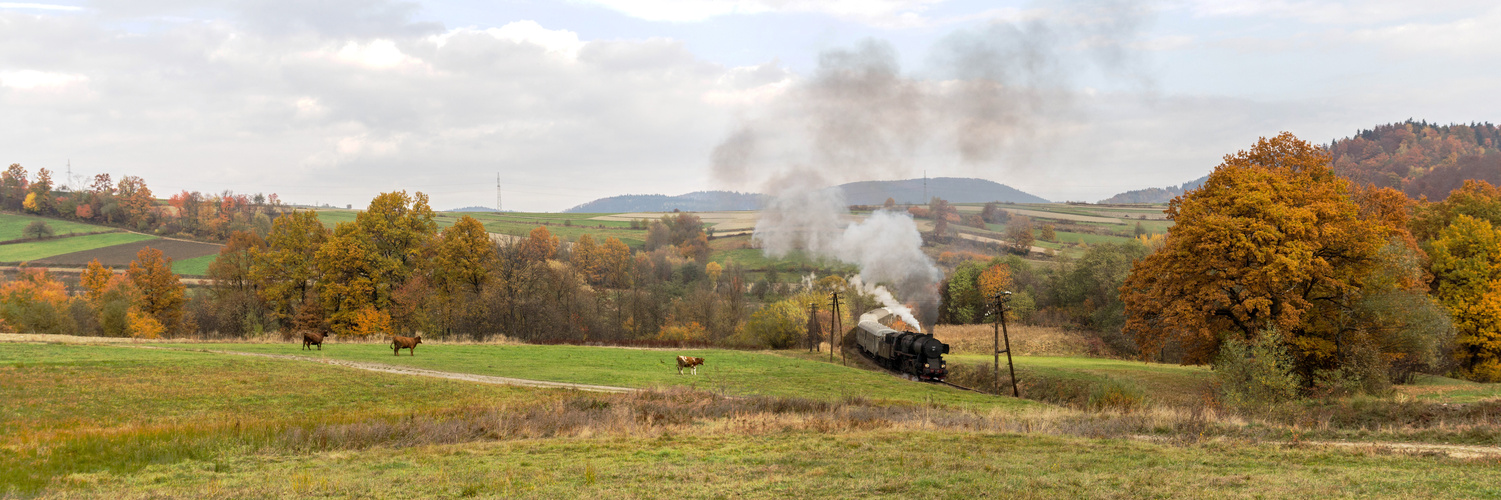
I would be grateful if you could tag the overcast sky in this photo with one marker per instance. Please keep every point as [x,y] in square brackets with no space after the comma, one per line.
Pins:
[336,101]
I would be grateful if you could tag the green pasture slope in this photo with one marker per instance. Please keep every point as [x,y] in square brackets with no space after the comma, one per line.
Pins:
[72,409]
[125,422]
[32,250]
[521,224]
[12,226]
[725,371]
[196,266]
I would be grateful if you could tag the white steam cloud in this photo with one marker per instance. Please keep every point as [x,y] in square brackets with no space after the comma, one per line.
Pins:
[886,246]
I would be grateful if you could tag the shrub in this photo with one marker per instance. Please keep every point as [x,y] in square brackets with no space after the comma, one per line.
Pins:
[1255,373]
[779,325]
[38,230]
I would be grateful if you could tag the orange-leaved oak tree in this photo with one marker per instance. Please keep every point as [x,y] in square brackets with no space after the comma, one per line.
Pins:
[162,294]
[1273,240]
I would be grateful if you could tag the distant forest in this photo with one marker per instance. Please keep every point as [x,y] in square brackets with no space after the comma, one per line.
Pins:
[1419,158]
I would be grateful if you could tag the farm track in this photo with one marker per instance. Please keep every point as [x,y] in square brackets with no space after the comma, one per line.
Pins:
[422,372]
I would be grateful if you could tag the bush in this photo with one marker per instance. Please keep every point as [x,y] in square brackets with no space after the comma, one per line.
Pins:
[1256,373]
[779,325]
[38,230]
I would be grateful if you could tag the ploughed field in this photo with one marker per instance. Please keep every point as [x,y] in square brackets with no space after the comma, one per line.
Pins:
[172,420]
[75,244]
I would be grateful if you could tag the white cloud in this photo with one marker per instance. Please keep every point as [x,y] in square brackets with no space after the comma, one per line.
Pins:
[887,13]
[375,54]
[39,6]
[28,79]
[212,106]
[562,42]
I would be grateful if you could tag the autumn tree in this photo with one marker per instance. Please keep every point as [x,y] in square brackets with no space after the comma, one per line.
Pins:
[162,294]
[1477,199]
[1272,241]
[615,263]
[890,203]
[347,267]
[1467,267]
[34,302]
[39,194]
[465,255]
[95,279]
[538,246]
[286,269]
[135,201]
[1047,233]
[235,288]
[940,210]
[993,213]
[13,184]
[397,228]
[1019,230]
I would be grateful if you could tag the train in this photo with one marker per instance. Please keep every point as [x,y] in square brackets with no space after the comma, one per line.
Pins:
[911,353]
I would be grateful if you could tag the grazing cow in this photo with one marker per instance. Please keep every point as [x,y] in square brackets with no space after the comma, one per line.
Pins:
[311,338]
[689,362]
[409,343]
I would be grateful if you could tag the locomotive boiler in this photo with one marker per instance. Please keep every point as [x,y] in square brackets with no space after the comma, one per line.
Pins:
[912,353]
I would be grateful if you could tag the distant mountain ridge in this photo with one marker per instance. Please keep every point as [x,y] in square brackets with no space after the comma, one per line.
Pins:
[953,189]
[1154,195]
[697,201]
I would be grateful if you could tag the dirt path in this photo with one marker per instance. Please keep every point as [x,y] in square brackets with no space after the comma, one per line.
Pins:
[359,365]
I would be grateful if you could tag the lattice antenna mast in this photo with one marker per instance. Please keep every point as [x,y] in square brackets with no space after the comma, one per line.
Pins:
[497,191]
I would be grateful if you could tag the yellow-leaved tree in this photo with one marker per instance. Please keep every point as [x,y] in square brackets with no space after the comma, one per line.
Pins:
[1466,263]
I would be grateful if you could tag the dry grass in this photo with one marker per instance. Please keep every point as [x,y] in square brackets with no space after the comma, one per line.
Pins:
[1025,340]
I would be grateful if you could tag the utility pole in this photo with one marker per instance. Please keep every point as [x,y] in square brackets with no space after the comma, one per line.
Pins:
[834,308]
[813,333]
[1000,329]
[925,186]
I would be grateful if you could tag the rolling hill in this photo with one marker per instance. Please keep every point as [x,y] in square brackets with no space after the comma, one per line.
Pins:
[953,189]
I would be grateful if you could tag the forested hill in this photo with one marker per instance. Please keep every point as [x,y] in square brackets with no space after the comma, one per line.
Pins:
[1420,158]
[1154,195]
[953,189]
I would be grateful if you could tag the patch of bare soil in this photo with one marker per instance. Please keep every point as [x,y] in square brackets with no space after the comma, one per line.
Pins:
[123,254]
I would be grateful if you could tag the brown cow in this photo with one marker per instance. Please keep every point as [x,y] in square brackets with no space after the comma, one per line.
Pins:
[409,343]
[689,362]
[311,338]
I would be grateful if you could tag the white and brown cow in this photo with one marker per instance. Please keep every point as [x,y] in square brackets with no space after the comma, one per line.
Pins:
[689,362]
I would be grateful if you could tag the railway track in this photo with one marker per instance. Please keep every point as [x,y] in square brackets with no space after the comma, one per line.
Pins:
[871,364]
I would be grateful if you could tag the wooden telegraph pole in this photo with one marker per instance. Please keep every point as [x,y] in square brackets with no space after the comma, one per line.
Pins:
[1000,333]
[813,334]
[836,326]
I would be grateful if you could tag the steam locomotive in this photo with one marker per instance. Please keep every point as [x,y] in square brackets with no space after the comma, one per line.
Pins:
[911,353]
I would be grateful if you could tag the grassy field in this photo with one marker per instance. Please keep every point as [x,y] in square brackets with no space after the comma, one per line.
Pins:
[19,252]
[126,422]
[753,258]
[196,266]
[12,226]
[1448,390]
[84,409]
[727,372]
[870,464]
